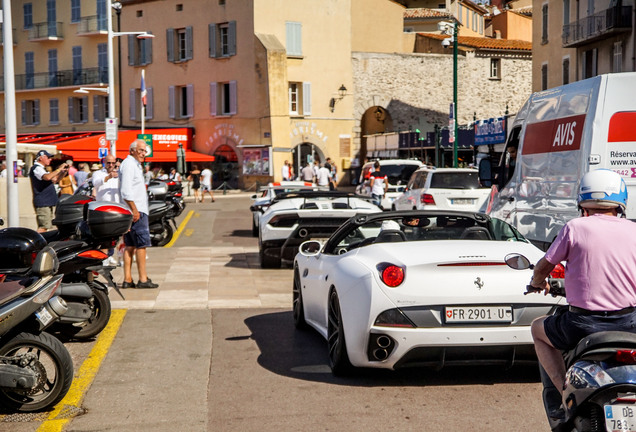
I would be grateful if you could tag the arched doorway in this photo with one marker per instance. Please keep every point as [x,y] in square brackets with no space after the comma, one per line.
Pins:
[376,120]
[225,167]
[306,152]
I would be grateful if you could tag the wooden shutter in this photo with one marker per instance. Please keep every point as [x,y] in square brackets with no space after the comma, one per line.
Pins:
[131,50]
[212,40]
[213,99]
[70,110]
[189,43]
[170,44]
[149,112]
[190,96]
[84,112]
[306,98]
[233,97]
[23,113]
[36,104]
[147,52]
[232,38]
[132,104]
[95,109]
[171,102]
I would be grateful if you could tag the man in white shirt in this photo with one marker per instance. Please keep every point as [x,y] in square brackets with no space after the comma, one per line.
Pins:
[106,181]
[3,170]
[324,175]
[285,171]
[206,183]
[132,189]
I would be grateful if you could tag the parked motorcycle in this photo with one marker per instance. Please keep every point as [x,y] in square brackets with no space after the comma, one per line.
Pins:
[95,225]
[166,203]
[600,382]
[36,369]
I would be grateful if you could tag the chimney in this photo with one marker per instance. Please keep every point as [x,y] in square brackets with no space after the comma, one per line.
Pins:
[497,34]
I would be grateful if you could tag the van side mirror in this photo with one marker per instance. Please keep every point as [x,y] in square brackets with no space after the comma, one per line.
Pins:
[485,172]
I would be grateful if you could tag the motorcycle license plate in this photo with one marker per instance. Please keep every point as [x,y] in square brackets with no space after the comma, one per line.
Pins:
[44,316]
[620,417]
[478,314]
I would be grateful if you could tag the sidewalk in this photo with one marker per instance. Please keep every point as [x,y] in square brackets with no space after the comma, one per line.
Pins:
[206,278]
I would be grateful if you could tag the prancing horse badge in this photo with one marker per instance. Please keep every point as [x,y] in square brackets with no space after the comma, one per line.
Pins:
[479,283]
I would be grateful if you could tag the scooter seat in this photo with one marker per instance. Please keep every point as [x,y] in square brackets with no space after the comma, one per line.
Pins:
[10,290]
[612,340]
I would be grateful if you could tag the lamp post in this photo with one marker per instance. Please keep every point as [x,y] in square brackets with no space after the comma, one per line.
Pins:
[111,69]
[452,30]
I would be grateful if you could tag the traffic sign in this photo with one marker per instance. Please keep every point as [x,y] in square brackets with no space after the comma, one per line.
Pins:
[111,129]
[102,152]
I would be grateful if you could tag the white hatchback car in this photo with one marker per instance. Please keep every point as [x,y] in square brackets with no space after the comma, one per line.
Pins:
[443,189]
[398,172]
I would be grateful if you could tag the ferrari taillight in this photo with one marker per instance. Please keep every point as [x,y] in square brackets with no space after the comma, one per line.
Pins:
[626,356]
[558,272]
[427,199]
[391,274]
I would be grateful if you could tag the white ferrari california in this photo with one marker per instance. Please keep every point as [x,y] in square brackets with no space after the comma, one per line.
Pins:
[418,288]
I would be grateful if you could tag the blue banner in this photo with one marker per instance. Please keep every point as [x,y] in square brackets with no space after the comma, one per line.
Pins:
[491,131]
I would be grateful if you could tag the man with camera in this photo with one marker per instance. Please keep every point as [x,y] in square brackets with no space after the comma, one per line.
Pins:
[43,186]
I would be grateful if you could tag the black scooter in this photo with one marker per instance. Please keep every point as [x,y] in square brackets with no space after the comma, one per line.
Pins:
[36,369]
[600,382]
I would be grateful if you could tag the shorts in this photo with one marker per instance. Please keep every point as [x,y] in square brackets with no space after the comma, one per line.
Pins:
[565,329]
[377,199]
[44,217]
[139,234]
[205,188]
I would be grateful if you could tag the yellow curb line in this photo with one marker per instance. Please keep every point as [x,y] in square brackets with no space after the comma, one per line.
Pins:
[86,373]
[181,228]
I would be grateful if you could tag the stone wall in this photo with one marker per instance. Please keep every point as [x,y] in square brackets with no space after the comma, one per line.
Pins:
[417,89]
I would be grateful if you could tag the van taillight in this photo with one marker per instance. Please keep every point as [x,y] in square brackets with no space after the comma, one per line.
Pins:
[626,356]
[427,199]
[558,272]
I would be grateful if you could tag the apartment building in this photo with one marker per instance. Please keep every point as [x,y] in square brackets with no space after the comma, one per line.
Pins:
[575,40]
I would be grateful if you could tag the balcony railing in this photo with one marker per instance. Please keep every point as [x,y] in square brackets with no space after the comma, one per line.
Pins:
[2,35]
[46,31]
[65,78]
[92,25]
[593,27]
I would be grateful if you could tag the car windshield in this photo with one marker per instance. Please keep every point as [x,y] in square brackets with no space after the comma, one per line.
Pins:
[455,180]
[398,173]
[425,228]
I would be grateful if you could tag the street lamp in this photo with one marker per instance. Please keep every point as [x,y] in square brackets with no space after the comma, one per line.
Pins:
[452,29]
[111,72]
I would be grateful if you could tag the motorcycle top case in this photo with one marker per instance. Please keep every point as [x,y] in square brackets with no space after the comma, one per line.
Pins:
[70,210]
[108,219]
[18,249]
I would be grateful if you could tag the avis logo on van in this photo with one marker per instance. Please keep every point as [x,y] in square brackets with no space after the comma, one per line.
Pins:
[565,132]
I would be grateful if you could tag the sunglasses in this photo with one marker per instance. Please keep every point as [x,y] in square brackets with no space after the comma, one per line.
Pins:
[111,163]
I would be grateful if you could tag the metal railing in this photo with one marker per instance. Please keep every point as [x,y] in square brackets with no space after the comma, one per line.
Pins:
[92,24]
[46,30]
[612,20]
[65,78]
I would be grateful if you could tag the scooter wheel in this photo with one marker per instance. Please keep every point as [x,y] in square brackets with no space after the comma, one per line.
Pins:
[166,236]
[100,315]
[53,365]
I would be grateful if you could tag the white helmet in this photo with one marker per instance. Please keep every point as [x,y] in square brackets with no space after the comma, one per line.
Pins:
[602,188]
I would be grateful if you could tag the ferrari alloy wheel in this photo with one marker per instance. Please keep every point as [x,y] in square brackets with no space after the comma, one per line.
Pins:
[299,313]
[338,358]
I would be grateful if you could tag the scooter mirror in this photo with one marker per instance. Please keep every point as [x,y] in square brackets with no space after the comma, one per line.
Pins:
[517,262]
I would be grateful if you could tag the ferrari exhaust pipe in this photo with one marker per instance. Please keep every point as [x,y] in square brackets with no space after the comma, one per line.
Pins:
[383,342]
[303,232]
[380,354]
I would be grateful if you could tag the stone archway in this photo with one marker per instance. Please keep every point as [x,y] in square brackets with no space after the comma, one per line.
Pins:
[375,120]
[305,152]
[226,165]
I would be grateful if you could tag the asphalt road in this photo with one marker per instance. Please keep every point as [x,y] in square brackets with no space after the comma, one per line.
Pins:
[248,369]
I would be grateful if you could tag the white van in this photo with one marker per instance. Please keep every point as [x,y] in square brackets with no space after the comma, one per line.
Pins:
[562,133]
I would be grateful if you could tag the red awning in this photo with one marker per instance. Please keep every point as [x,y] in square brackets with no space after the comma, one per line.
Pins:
[165,145]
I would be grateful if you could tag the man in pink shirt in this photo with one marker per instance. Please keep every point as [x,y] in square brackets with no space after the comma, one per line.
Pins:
[600,275]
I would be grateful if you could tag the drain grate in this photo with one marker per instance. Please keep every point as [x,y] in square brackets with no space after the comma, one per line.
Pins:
[67,412]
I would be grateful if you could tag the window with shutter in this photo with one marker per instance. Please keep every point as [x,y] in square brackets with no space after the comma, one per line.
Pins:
[149,106]
[189,101]
[171,102]
[212,40]
[231,38]
[170,44]
[188,53]
[132,104]
[54,112]
[306,96]
[233,98]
